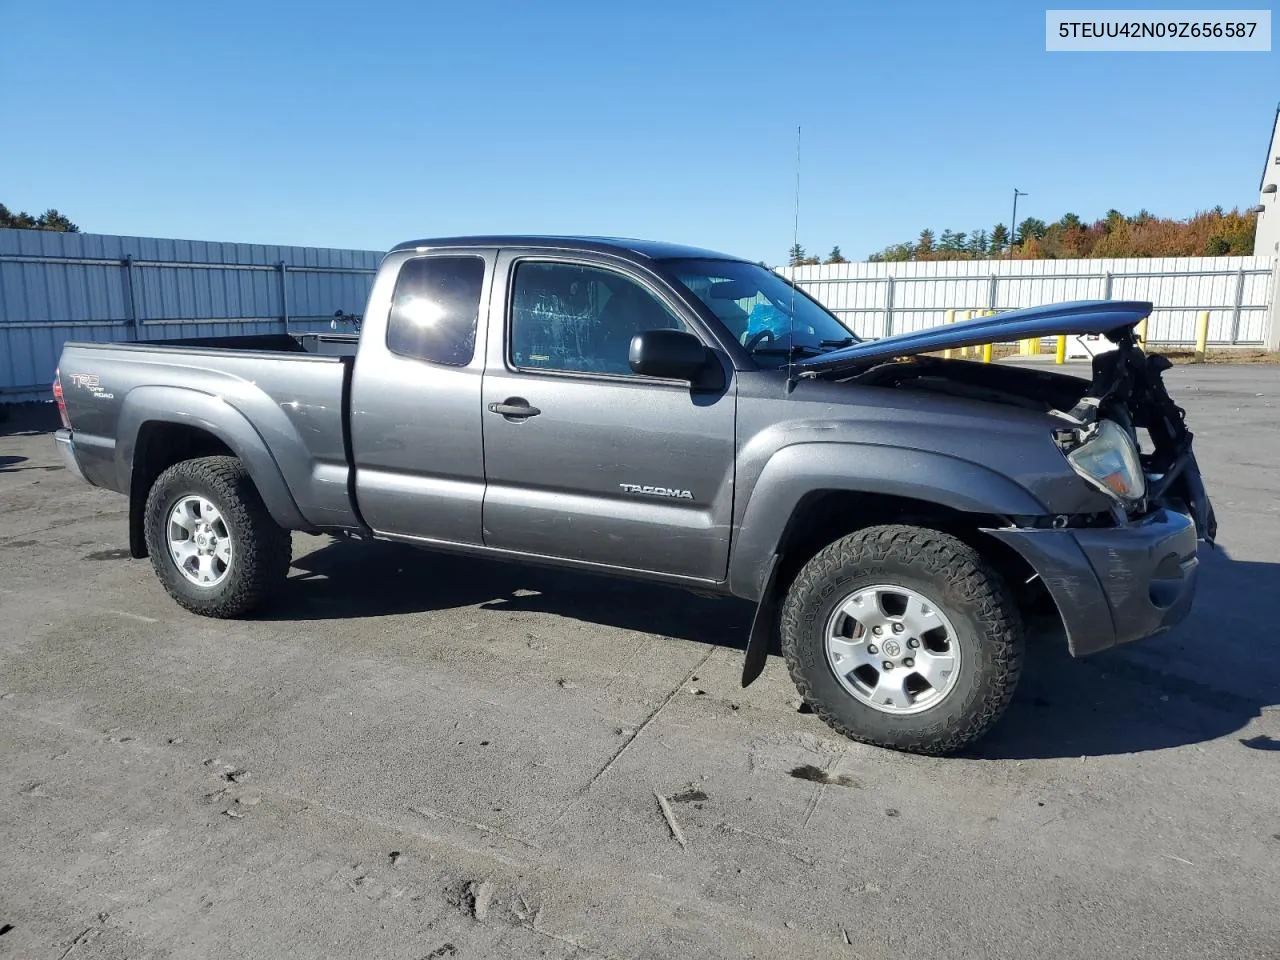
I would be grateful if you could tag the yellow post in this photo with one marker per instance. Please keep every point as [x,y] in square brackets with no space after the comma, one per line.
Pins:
[1202,334]
[983,350]
[950,318]
[1062,350]
[964,351]
[1141,332]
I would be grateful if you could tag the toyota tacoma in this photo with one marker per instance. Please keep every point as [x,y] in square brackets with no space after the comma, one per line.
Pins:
[671,414]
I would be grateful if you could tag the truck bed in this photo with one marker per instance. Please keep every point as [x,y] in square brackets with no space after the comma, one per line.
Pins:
[290,393]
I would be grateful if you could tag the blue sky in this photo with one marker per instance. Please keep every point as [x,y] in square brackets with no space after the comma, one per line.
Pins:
[360,125]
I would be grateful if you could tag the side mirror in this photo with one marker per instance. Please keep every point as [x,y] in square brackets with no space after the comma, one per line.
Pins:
[669,355]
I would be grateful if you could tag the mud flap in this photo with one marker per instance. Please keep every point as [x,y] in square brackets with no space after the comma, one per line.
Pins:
[137,515]
[762,627]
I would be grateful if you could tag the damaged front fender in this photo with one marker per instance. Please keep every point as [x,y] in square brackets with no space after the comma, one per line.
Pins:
[1057,559]
[1113,585]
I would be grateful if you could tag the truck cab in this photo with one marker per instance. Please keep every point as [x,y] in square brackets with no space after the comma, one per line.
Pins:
[517,423]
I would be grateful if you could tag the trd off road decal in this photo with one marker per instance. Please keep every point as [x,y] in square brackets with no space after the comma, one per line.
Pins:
[90,382]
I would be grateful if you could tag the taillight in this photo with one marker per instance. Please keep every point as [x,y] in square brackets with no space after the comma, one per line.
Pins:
[57,395]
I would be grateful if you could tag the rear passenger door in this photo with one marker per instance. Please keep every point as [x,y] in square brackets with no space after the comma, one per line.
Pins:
[415,399]
[584,459]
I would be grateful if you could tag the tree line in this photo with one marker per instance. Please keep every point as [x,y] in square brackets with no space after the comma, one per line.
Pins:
[1213,233]
[799,258]
[51,219]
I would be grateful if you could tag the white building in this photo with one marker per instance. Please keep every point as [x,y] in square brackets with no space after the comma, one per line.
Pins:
[1266,239]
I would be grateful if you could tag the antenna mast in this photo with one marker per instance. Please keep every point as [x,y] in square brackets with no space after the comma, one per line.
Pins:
[795,246]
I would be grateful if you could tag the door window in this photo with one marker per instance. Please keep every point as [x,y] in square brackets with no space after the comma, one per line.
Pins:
[572,318]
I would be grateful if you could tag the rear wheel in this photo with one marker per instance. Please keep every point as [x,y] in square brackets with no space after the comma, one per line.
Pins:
[904,638]
[212,542]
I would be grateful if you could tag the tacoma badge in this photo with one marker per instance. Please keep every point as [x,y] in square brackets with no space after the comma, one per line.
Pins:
[656,491]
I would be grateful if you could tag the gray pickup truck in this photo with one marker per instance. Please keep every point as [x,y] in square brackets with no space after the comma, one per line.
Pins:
[666,413]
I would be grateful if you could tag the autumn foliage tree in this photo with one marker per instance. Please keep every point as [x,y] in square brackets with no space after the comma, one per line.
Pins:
[1211,233]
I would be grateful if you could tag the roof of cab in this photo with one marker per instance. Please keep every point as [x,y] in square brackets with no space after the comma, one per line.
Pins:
[648,249]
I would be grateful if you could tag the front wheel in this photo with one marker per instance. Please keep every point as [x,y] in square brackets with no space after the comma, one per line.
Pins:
[904,638]
[213,544]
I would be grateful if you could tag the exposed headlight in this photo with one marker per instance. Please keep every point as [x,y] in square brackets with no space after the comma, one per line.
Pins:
[1109,460]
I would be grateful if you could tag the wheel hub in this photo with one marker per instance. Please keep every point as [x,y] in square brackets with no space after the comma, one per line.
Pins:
[892,649]
[199,541]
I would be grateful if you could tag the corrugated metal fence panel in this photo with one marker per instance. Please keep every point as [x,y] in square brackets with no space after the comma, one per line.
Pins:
[882,298]
[314,295]
[25,354]
[60,286]
[858,303]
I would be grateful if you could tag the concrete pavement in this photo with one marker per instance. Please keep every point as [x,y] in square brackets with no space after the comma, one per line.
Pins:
[416,756]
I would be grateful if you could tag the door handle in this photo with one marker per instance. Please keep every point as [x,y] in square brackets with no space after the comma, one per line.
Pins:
[514,408]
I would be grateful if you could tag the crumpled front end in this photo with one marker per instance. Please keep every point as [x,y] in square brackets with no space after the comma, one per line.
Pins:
[1132,575]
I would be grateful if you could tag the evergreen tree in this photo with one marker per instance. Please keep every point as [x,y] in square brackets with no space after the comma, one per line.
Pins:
[1031,229]
[49,220]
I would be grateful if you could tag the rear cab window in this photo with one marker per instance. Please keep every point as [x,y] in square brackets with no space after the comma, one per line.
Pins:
[435,309]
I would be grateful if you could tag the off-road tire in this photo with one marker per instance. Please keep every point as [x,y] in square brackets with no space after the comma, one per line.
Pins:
[955,577]
[261,549]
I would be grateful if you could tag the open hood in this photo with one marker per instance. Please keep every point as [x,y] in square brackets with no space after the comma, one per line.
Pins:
[1108,317]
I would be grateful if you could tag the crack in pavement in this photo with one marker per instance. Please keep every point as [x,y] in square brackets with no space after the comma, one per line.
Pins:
[476,824]
[617,755]
[817,794]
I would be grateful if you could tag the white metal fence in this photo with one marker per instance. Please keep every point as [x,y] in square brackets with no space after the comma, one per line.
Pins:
[880,299]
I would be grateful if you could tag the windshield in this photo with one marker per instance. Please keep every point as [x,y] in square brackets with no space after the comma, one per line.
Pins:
[756,305]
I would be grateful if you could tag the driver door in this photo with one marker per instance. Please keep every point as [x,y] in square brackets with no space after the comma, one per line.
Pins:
[584,459]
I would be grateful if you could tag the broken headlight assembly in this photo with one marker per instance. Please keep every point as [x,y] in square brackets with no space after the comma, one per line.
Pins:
[1105,456]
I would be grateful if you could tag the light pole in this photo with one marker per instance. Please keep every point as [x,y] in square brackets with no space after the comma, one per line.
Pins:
[1013,221]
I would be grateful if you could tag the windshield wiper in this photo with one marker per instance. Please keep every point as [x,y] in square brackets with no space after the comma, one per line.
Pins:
[843,342]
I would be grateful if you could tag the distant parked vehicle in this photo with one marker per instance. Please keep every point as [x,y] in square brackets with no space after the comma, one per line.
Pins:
[671,414]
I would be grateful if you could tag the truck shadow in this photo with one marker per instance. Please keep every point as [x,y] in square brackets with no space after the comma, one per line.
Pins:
[28,419]
[358,579]
[1206,679]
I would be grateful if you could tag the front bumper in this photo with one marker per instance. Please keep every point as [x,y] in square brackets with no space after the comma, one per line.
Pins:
[1117,584]
[67,447]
